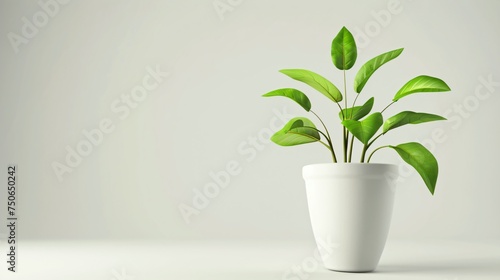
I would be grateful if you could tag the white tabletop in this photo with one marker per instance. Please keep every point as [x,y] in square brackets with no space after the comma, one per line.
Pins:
[239,260]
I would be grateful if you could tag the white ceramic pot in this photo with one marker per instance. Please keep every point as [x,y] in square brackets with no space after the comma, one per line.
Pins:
[350,205]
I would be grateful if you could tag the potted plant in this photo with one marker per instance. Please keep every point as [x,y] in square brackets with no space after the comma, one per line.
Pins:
[350,204]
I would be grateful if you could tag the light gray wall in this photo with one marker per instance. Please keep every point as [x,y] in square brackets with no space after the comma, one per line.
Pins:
[71,73]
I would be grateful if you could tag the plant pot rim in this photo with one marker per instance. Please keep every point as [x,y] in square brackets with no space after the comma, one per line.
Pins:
[349,164]
[360,170]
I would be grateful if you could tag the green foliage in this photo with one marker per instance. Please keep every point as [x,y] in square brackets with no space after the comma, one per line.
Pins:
[422,160]
[296,132]
[294,94]
[409,117]
[357,120]
[367,70]
[364,130]
[344,51]
[316,81]
[421,84]
[356,112]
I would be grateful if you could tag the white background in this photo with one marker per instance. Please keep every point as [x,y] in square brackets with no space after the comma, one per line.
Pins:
[66,77]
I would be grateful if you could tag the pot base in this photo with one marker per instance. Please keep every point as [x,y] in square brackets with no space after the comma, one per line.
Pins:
[351,271]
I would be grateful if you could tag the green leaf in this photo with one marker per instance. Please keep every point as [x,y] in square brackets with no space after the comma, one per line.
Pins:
[294,94]
[421,84]
[422,160]
[408,117]
[316,81]
[357,112]
[367,70]
[296,132]
[344,52]
[365,129]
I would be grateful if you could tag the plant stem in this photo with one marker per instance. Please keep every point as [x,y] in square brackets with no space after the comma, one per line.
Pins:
[370,157]
[365,147]
[322,123]
[346,132]
[345,92]
[327,136]
[345,144]
[387,106]
[350,149]
[326,145]
[371,142]
[354,104]
[341,111]
[329,141]
[333,152]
